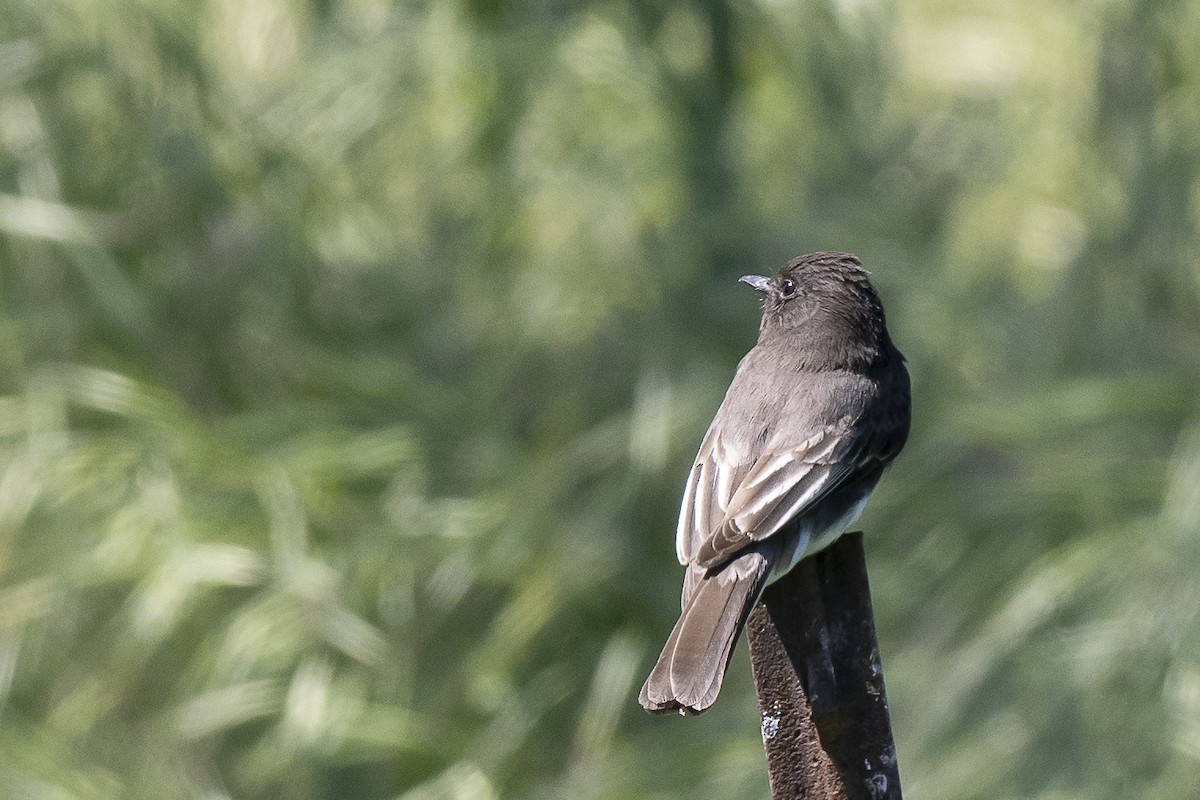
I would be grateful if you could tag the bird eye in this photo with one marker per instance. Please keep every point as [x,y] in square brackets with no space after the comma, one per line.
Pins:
[787,288]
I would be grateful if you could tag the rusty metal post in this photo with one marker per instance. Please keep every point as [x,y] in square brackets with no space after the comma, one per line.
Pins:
[825,721]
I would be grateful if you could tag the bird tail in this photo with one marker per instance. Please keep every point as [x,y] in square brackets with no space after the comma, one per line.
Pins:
[692,666]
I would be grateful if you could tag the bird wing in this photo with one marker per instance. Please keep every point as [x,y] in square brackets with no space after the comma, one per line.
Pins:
[727,505]
[706,494]
[726,502]
[747,483]
[780,487]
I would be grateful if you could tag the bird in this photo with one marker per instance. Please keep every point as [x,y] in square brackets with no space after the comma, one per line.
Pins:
[815,412]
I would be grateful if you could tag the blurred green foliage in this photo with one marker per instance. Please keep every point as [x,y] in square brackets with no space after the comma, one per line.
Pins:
[352,354]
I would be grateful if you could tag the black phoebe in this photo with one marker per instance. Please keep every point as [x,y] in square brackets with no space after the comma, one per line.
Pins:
[815,412]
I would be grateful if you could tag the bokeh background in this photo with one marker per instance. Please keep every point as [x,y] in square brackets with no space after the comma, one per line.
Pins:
[353,352]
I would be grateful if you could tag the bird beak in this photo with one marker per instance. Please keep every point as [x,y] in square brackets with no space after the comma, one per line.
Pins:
[757,281]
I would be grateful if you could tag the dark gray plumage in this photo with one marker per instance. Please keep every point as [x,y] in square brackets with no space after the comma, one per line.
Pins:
[815,412]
